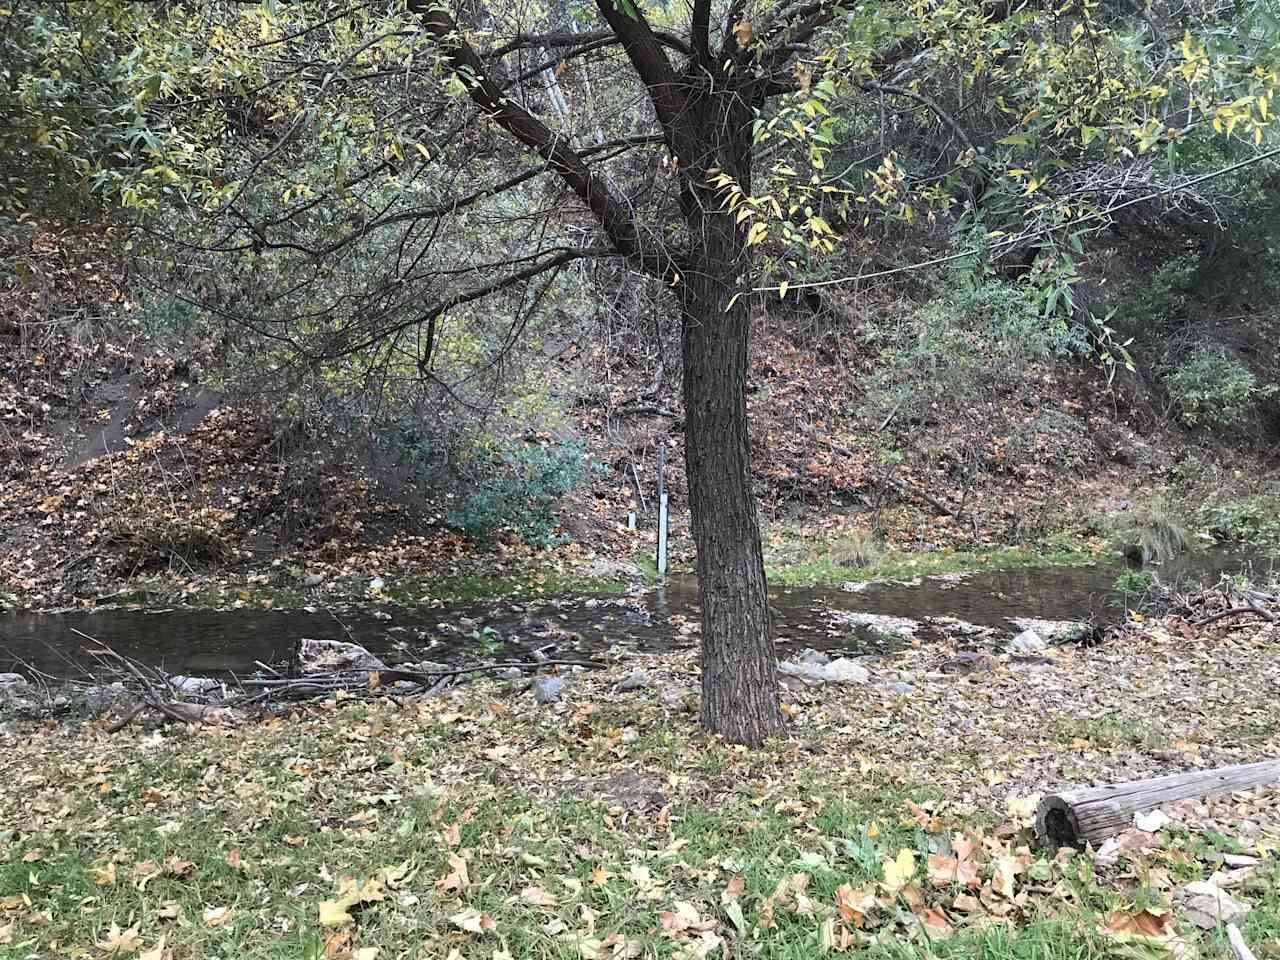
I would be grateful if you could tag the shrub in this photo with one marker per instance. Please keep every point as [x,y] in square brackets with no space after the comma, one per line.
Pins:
[1152,532]
[1131,586]
[1213,389]
[1252,520]
[188,542]
[1151,308]
[518,490]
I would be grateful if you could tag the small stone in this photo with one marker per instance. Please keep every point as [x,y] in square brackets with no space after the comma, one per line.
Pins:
[678,700]
[899,687]
[1208,905]
[636,681]
[313,580]
[548,689]
[855,586]
[810,655]
[510,673]
[193,686]
[967,662]
[10,680]
[1028,642]
[1151,821]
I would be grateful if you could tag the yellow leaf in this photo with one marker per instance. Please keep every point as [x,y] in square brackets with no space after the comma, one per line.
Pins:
[333,913]
[898,872]
[782,289]
[217,916]
[742,32]
[156,953]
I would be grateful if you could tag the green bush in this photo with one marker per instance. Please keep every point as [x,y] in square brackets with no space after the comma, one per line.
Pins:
[1131,587]
[1213,389]
[518,490]
[1252,520]
[1151,308]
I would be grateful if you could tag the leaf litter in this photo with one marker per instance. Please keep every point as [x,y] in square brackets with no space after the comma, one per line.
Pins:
[399,826]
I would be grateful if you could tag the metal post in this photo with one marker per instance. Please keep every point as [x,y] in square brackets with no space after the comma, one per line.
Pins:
[662,510]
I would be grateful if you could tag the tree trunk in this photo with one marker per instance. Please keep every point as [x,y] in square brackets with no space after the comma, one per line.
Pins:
[739,663]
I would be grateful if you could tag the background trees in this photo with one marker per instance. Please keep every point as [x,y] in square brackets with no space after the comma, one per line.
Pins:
[383,208]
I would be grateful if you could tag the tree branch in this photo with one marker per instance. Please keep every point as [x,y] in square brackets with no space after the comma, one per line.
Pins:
[920,98]
[648,58]
[570,39]
[440,307]
[615,219]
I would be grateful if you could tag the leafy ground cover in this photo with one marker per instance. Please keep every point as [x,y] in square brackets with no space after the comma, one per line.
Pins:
[483,825]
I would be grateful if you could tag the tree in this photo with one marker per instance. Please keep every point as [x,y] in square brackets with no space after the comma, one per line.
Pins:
[329,152]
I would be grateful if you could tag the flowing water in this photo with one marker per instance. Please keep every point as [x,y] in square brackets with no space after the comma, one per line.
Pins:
[237,642]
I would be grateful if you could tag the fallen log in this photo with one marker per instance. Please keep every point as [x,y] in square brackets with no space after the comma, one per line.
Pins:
[1075,818]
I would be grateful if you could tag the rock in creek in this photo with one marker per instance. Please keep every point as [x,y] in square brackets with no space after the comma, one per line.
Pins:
[334,656]
[12,682]
[888,626]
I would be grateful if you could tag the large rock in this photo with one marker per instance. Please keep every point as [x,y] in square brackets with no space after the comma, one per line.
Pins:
[194,686]
[334,656]
[636,681]
[840,670]
[1028,642]
[1053,631]
[899,627]
[548,689]
[99,699]
[12,681]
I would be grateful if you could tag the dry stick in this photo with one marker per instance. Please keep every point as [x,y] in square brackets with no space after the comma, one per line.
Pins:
[1238,946]
[337,680]
[155,700]
[1236,612]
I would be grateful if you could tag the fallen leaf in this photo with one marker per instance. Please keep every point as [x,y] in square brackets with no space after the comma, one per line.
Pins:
[473,921]
[538,897]
[899,871]
[119,942]
[217,916]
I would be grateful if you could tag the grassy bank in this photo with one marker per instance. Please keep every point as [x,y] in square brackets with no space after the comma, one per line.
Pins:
[484,825]
[836,560]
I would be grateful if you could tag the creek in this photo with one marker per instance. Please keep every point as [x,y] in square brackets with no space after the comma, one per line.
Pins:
[234,642]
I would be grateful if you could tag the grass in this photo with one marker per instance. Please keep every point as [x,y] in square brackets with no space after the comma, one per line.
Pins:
[481,825]
[827,568]
[1110,733]
[283,591]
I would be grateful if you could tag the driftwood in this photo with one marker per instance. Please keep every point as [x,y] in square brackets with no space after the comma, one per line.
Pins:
[153,691]
[1253,609]
[1238,947]
[1074,818]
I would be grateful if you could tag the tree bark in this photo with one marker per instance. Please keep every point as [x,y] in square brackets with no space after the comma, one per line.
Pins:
[739,663]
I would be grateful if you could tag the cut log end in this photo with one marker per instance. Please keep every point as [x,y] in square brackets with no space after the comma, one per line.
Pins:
[1056,825]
